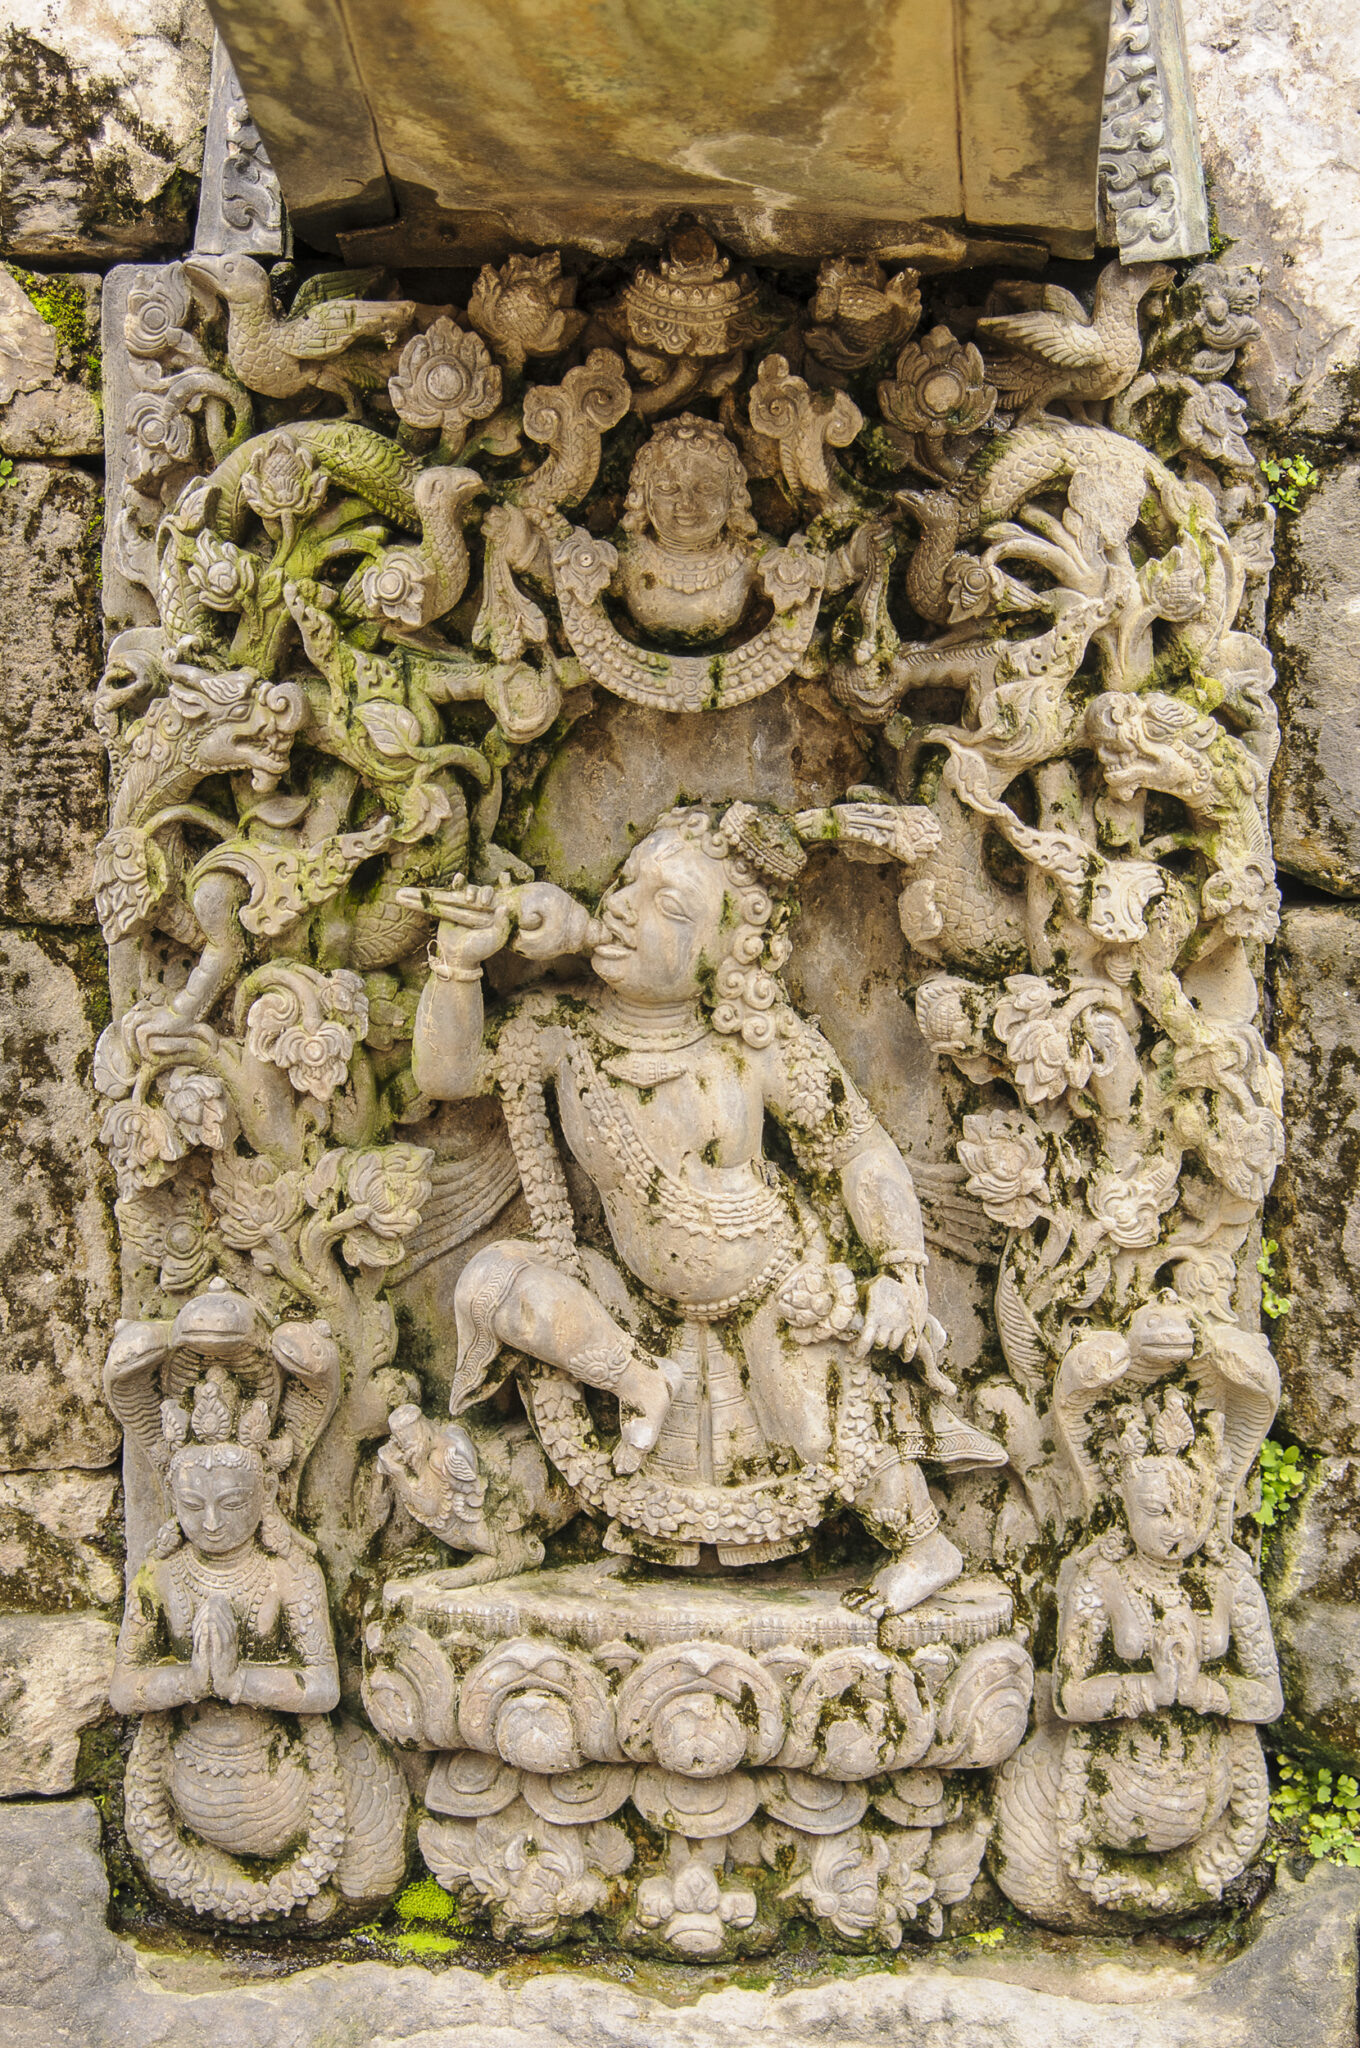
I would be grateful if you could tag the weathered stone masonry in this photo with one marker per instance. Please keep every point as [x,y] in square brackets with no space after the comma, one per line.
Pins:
[99,143]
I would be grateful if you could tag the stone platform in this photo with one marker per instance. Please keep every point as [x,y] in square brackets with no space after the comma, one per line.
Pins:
[588,1605]
[603,1663]
[67,1981]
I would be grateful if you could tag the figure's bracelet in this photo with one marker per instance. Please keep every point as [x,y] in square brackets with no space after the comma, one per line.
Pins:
[443,970]
[907,1265]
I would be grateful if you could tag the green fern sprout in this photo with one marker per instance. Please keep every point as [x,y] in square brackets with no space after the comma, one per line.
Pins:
[1289,478]
[1282,1477]
[1272,1304]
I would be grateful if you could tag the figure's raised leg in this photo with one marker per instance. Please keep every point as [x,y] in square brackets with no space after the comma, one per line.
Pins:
[509,1294]
[895,1506]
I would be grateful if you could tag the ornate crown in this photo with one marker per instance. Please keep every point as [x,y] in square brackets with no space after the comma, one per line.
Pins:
[766,840]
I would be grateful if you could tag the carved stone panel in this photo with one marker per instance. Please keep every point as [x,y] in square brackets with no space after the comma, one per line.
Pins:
[685,886]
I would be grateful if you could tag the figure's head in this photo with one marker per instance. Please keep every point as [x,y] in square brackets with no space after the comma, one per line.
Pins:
[221,1471]
[219,1496]
[689,486]
[697,911]
[1164,1463]
[1164,1507]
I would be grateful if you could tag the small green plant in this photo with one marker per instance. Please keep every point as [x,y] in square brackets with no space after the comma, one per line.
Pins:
[424,1900]
[1282,1477]
[7,476]
[1320,1808]
[1289,477]
[988,1937]
[422,1941]
[1272,1304]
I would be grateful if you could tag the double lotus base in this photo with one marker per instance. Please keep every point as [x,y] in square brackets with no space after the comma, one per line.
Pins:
[693,1761]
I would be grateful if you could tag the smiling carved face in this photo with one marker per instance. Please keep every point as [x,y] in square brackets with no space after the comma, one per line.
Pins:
[663,915]
[219,1505]
[689,500]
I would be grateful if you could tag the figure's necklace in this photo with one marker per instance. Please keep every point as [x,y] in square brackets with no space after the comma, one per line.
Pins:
[243,1576]
[637,1033]
[679,570]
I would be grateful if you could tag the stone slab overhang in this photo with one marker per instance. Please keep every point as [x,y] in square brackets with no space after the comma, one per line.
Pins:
[446,131]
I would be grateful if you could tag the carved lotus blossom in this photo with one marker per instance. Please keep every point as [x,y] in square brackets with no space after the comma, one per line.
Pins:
[790,575]
[940,387]
[972,589]
[1242,893]
[158,306]
[533,1873]
[253,1200]
[221,575]
[168,1227]
[582,566]
[1174,583]
[130,876]
[860,310]
[197,1104]
[284,481]
[1038,1042]
[1213,423]
[1007,1166]
[445,379]
[161,434]
[386,1190]
[524,308]
[400,587]
[1130,1205]
[142,1144]
[309,1024]
[841,1883]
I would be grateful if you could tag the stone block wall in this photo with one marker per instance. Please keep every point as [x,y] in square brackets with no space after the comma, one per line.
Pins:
[101,126]
[1274,85]
[101,115]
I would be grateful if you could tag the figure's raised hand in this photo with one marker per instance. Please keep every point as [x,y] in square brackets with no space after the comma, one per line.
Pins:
[215,1643]
[895,1314]
[549,921]
[474,919]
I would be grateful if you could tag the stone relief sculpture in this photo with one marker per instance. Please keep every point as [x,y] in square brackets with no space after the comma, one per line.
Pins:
[688,1556]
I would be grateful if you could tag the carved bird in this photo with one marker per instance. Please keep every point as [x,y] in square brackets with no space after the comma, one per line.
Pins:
[329,341]
[413,586]
[1056,351]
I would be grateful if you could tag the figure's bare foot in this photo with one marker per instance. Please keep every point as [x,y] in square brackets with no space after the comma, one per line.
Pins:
[513,1554]
[647,1391]
[905,1581]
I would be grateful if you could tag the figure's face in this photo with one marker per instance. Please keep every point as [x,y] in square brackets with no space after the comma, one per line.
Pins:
[663,915]
[689,500]
[218,1506]
[1160,1513]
